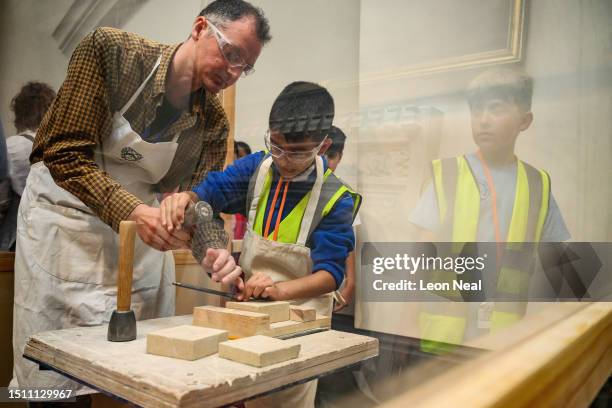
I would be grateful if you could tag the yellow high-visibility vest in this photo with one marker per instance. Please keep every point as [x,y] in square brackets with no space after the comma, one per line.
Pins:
[289,228]
[459,209]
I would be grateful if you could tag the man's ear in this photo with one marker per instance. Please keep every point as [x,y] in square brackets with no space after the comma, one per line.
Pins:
[527,120]
[326,145]
[199,27]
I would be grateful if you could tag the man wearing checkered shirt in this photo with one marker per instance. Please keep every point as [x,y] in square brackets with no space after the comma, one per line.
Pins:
[133,118]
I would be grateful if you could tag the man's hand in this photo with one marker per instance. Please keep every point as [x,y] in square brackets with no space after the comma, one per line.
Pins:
[173,210]
[220,264]
[260,285]
[152,232]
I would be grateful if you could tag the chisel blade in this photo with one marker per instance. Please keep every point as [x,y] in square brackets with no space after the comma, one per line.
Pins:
[229,295]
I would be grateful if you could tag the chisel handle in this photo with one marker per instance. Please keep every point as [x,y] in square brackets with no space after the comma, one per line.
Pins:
[127,233]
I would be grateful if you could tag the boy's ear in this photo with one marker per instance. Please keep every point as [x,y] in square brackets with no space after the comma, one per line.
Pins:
[326,145]
[527,120]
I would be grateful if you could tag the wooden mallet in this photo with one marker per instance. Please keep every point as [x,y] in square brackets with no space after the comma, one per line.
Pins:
[122,325]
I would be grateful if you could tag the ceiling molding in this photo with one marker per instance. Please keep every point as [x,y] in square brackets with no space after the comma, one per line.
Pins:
[84,16]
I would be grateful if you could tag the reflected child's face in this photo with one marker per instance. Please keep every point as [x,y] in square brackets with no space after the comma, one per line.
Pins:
[496,123]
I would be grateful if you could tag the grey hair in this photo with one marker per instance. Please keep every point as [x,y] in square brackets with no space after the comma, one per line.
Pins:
[224,11]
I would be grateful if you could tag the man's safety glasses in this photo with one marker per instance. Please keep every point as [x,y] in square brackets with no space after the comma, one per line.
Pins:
[230,52]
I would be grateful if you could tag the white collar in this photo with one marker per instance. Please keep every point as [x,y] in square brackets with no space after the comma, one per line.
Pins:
[303,176]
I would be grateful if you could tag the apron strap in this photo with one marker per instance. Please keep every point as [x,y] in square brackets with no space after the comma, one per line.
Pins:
[251,188]
[262,172]
[315,193]
[140,88]
[28,135]
[331,185]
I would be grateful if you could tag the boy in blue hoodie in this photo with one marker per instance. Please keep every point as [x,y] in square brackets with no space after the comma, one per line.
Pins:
[300,215]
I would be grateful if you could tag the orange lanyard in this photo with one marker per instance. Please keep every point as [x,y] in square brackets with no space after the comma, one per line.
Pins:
[280,210]
[491,184]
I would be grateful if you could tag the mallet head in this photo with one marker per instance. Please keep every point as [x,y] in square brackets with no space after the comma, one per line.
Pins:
[122,326]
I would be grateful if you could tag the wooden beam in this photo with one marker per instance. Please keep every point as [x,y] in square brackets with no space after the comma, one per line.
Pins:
[228,101]
[238,323]
[564,365]
[185,342]
[189,271]
[183,257]
[259,351]
[236,246]
[7,261]
[278,310]
[7,284]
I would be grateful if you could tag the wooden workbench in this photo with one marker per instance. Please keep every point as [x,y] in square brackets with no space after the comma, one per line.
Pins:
[126,371]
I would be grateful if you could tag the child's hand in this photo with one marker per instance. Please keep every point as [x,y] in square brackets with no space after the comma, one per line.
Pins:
[173,210]
[262,286]
[239,289]
[221,266]
[347,294]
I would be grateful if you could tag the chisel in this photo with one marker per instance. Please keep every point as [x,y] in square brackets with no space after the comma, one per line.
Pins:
[228,295]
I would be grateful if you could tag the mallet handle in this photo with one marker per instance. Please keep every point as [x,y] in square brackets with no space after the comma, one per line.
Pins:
[127,232]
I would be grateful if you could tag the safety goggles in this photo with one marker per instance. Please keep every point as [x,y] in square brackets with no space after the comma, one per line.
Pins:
[230,52]
[300,157]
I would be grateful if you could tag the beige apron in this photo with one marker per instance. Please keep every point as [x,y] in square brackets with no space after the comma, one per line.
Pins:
[66,259]
[282,262]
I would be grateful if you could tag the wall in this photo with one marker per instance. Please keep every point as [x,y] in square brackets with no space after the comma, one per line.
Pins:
[312,41]
[27,50]
[571,136]
[165,21]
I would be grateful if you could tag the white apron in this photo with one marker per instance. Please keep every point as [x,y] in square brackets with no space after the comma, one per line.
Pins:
[282,262]
[66,259]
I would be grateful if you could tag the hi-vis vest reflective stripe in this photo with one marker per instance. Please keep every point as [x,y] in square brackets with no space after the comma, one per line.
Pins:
[332,189]
[459,208]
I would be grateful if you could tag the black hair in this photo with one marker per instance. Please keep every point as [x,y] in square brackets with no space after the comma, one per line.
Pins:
[508,84]
[31,104]
[243,146]
[338,139]
[302,110]
[221,11]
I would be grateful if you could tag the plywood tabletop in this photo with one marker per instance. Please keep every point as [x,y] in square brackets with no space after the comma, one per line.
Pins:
[127,371]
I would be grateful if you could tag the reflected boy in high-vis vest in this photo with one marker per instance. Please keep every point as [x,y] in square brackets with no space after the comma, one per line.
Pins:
[488,196]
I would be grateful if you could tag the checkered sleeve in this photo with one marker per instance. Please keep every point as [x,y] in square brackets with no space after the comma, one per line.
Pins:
[208,235]
[76,125]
